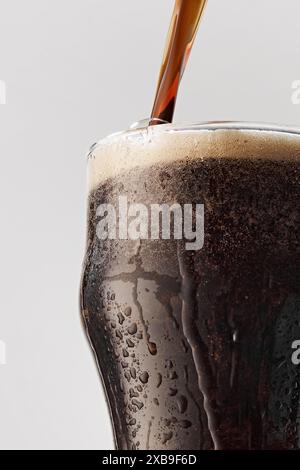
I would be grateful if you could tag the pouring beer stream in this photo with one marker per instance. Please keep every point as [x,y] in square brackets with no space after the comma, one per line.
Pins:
[182,32]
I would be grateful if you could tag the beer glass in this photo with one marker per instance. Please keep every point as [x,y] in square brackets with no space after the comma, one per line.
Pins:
[190,291]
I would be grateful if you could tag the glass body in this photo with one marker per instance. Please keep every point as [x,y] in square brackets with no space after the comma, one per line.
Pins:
[197,345]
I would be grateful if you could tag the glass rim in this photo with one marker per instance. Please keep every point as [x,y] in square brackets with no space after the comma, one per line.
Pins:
[143,126]
[234,125]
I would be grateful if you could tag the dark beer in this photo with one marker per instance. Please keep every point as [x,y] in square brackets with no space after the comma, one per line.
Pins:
[196,348]
[181,35]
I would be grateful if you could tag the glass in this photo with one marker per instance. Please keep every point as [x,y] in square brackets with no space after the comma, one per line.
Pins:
[190,291]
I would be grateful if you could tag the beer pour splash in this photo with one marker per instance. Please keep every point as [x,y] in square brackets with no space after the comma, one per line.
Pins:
[181,35]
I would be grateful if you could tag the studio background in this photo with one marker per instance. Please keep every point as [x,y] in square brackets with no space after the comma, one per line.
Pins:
[74,72]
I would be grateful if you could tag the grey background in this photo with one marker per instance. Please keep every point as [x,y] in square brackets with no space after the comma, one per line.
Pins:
[76,70]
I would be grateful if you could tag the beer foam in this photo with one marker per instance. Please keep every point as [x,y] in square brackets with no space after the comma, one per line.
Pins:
[166,143]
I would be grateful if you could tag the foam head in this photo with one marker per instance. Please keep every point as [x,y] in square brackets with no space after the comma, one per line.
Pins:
[167,143]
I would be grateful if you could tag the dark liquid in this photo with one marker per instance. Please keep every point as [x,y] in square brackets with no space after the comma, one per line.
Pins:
[182,32]
[195,347]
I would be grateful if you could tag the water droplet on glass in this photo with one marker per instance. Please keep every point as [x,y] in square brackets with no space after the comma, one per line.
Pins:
[121,318]
[167,436]
[132,329]
[182,403]
[172,375]
[144,377]
[137,403]
[127,311]
[159,380]
[152,348]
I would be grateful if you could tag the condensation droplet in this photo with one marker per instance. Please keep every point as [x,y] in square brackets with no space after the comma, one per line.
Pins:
[127,375]
[185,423]
[159,380]
[172,375]
[167,436]
[133,393]
[127,311]
[119,334]
[121,318]
[132,329]
[137,403]
[182,403]
[152,348]
[144,377]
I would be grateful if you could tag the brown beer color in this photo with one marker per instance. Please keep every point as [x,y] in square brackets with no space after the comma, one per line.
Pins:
[182,32]
[195,347]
